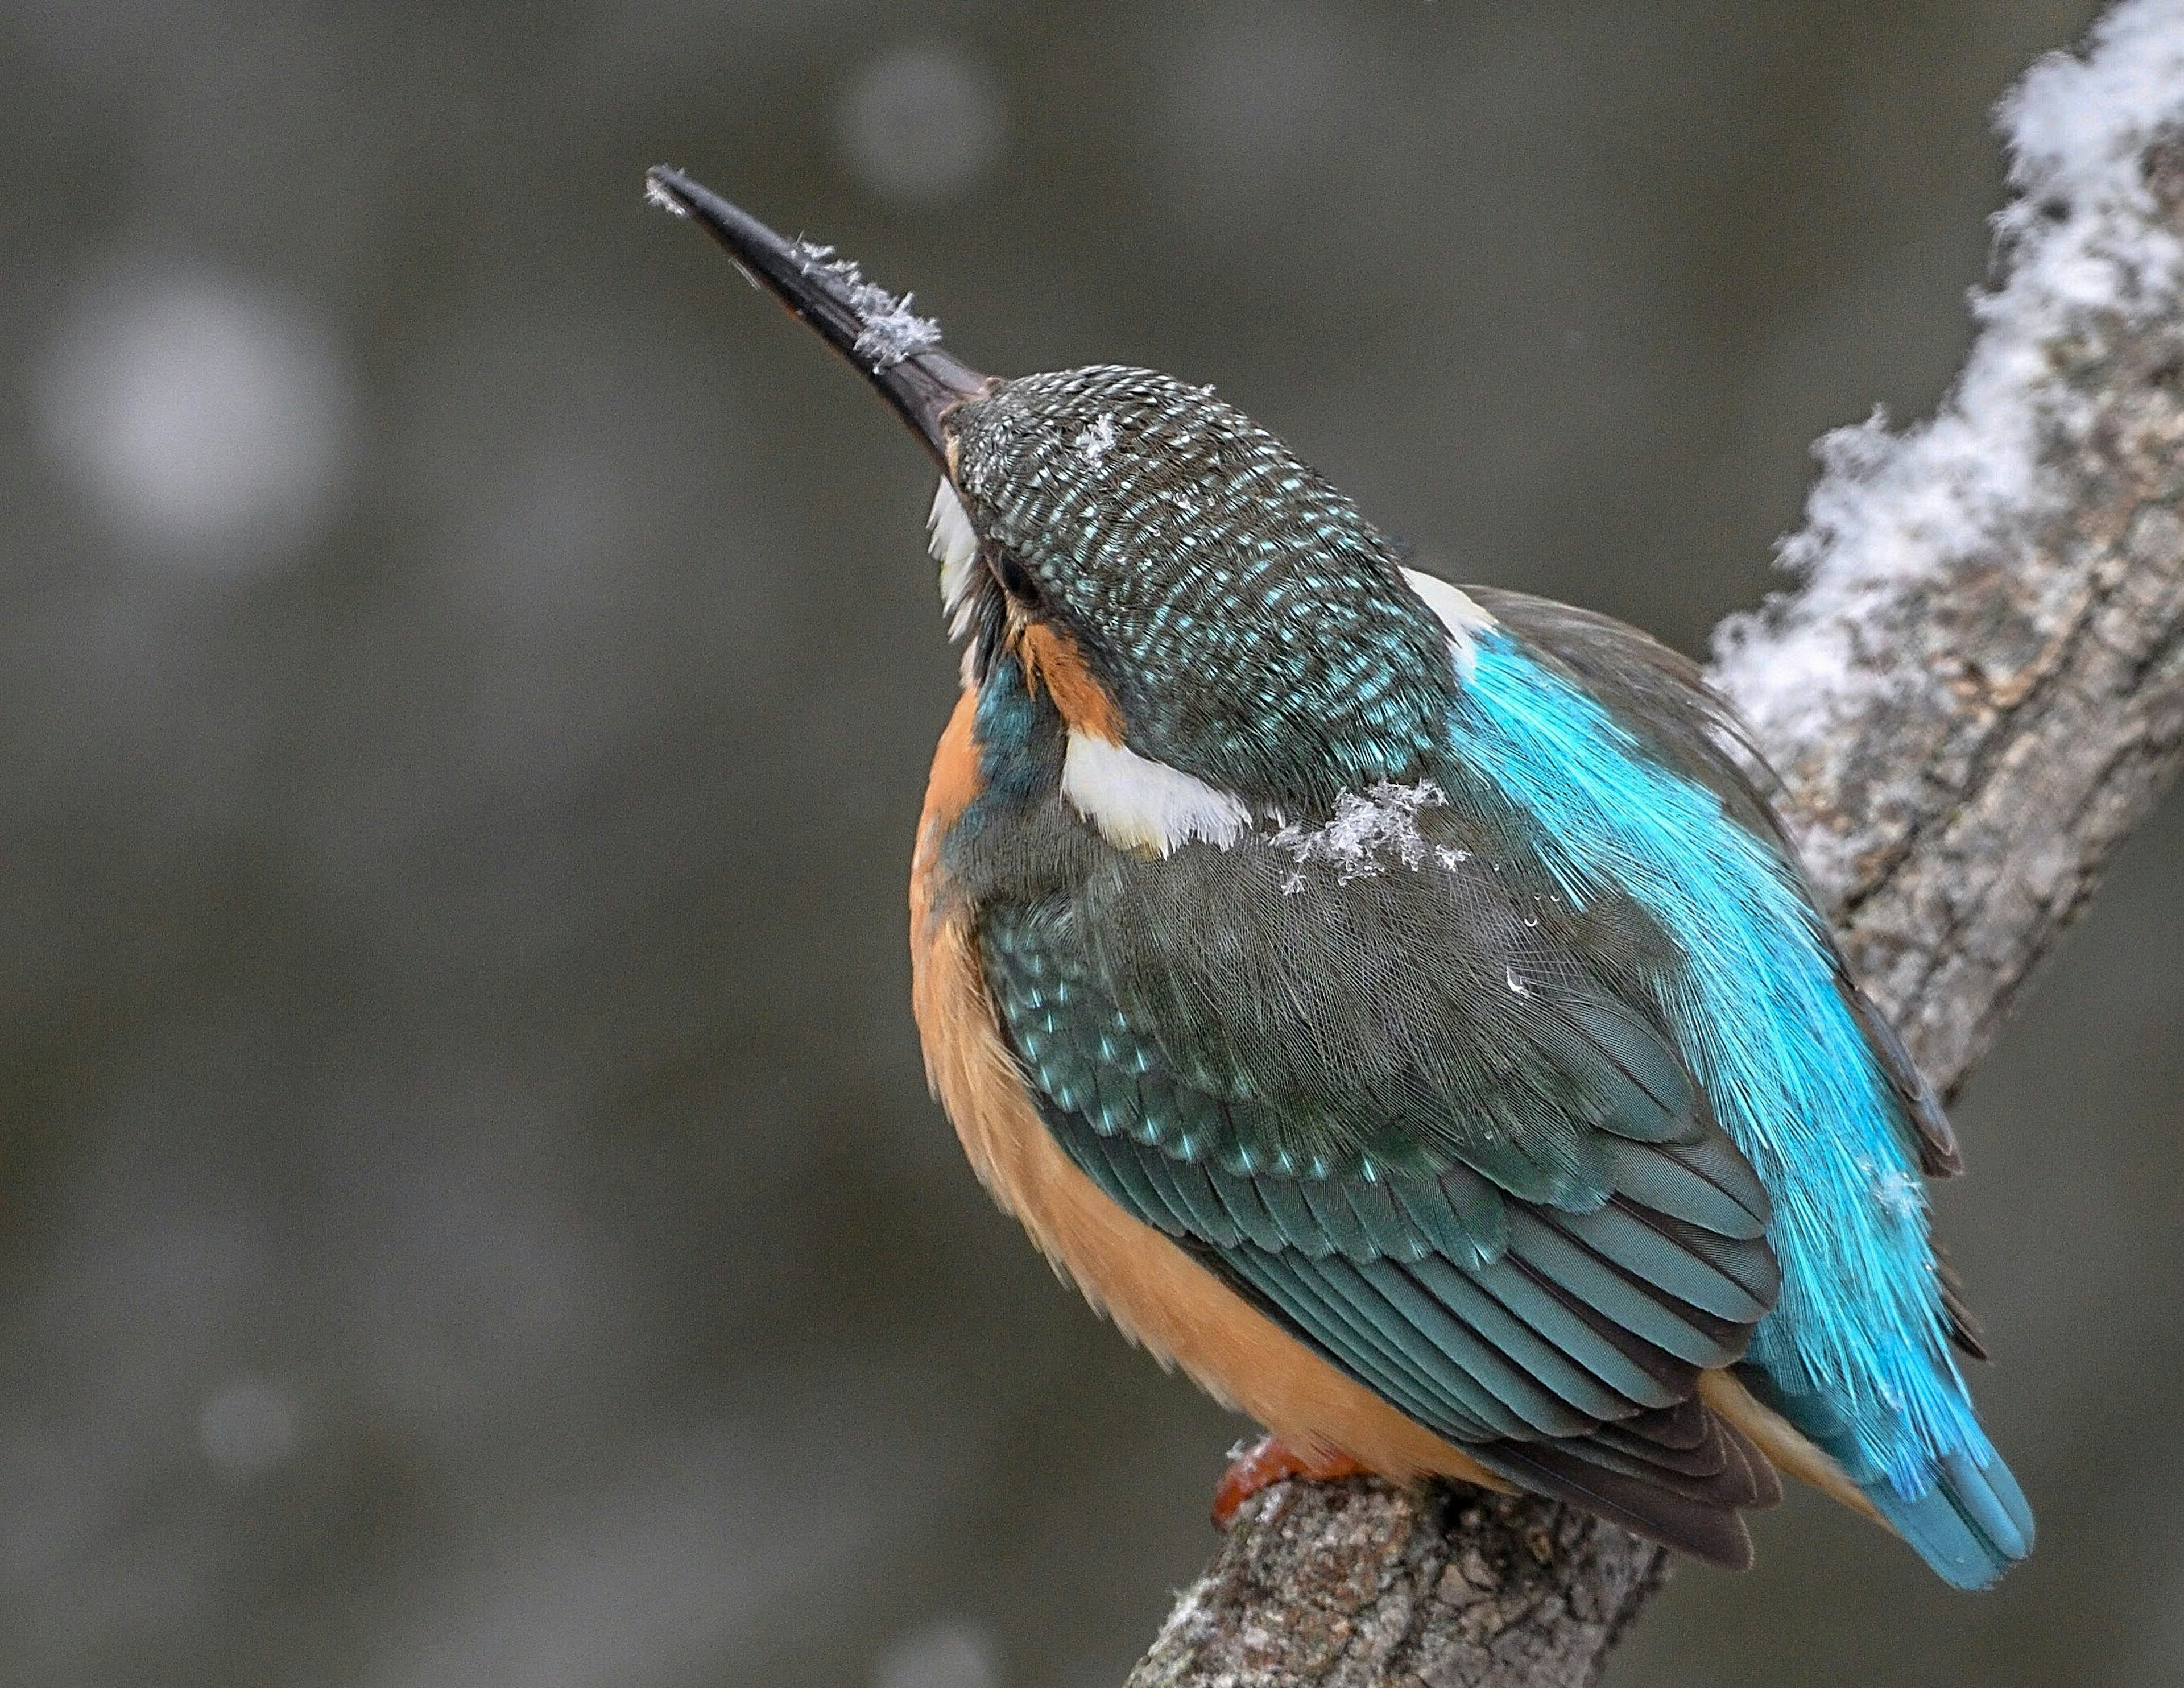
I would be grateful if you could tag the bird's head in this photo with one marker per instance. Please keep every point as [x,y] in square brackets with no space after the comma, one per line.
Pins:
[1190,595]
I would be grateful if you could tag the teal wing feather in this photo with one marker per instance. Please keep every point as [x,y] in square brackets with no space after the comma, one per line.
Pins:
[1405,1114]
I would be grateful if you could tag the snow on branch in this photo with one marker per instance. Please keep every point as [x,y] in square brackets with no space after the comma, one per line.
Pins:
[2084,245]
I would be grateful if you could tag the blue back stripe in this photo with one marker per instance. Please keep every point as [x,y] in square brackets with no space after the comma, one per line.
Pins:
[1757,1011]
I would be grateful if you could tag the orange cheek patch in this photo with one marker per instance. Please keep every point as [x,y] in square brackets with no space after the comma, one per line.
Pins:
[1050,659]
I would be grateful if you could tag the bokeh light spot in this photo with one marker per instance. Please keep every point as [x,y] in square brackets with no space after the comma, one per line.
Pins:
[249,1426]
[922,124]
[948,1654]
[209,420]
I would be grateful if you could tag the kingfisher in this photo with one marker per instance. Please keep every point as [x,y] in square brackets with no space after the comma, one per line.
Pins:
[1398,1004]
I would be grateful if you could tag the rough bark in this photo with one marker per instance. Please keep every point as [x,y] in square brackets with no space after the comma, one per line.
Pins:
[1354,1584]
[1977,695]
[2022,708]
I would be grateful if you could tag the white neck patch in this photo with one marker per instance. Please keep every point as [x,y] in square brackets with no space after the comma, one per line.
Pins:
[1458,612]
[1139,804]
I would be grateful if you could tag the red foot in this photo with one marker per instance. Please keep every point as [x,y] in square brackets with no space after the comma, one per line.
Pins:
[1266,1462]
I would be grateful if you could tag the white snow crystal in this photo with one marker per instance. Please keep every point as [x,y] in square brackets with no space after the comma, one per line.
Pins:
[656,193]
[1381,819]
[1891,511]
[1897,1193]
[1098,440]
[1900,1195]
[891,331]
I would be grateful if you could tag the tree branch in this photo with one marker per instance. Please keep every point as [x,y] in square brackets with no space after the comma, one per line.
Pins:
[1974,695]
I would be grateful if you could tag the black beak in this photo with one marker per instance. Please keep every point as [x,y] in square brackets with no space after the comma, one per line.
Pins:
[869,325]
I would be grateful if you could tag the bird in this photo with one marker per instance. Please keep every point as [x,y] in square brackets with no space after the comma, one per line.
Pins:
[1398,1005]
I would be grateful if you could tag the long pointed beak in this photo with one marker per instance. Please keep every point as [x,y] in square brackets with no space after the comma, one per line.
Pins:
[899,352]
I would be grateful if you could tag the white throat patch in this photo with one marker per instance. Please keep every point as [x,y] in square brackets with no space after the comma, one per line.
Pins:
[955,546]
[1139,804]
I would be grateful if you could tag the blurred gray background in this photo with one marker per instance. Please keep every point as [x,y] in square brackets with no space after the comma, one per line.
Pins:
[470,1212]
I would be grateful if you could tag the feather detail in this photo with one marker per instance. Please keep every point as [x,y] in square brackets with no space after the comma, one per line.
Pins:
[1141,805]
[955,546]
[1458,611]
[1054,661]
[1786,1447]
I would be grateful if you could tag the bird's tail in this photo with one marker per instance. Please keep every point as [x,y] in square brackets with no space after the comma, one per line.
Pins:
[1969,1523]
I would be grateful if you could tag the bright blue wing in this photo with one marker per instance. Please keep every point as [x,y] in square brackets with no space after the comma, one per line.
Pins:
[1626,768]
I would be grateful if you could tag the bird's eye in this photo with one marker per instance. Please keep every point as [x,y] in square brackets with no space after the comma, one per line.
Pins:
[1016,579]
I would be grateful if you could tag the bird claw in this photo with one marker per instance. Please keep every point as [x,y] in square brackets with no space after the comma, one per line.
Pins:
[1253,1465]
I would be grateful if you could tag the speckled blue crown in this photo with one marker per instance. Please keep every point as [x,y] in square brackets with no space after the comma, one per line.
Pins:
[1254,627]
